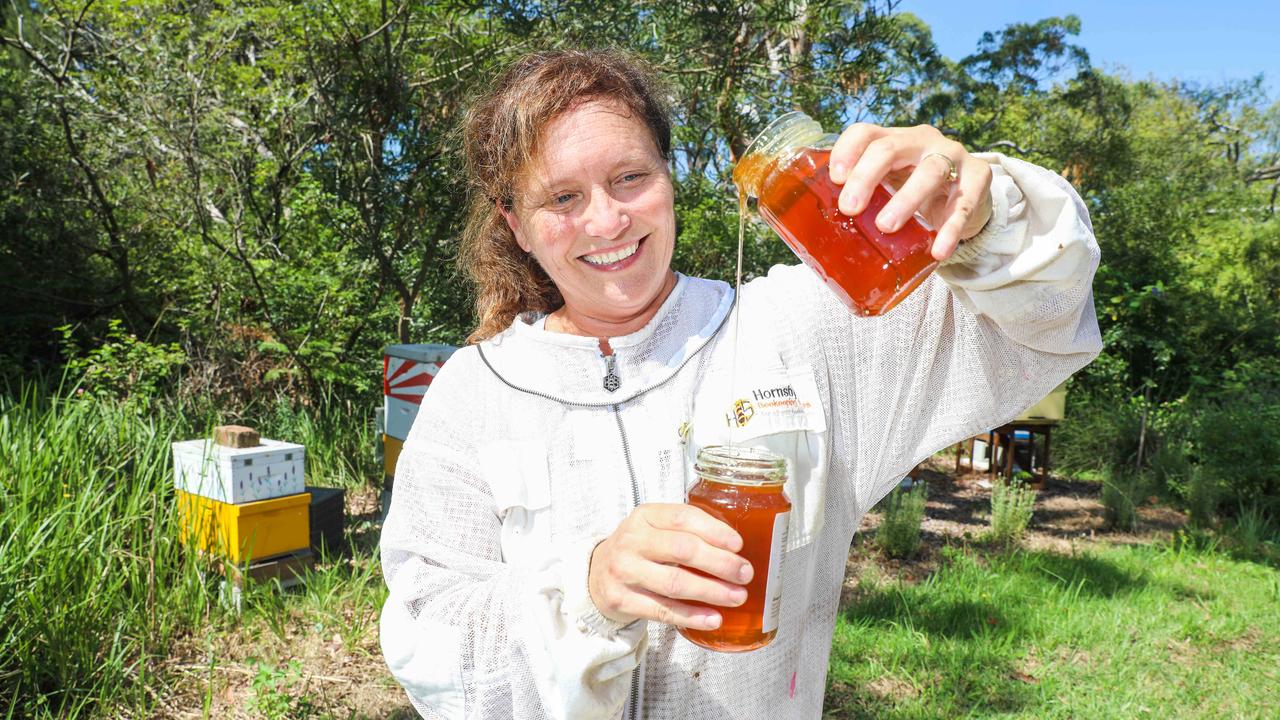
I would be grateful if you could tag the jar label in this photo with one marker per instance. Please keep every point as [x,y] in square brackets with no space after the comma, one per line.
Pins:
[773,584]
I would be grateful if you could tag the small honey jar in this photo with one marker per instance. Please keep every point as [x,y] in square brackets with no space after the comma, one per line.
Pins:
[742,487]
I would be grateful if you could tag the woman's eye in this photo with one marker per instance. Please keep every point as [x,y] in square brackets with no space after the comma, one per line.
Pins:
[632,177]
[562,199]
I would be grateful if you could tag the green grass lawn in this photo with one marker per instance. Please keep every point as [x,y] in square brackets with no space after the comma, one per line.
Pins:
[1162,631]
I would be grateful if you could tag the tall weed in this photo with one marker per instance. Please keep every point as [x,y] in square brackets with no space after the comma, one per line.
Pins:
[903,511]
[1012,504]
[93,584]
[1122,491]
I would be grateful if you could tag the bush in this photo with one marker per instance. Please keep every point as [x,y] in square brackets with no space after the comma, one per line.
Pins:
[1254,534]
[1238,445]
[1203,495]
[1100,431]
[1121,494]
[903,511]
[122,367]
[1011,507]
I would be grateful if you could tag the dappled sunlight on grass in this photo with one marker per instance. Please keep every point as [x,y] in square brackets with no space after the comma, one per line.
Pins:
[1039,634]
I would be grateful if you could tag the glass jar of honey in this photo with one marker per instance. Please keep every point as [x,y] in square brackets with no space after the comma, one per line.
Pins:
[785,168]
[742,487]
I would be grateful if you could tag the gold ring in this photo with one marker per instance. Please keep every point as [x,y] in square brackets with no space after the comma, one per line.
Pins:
[950,175]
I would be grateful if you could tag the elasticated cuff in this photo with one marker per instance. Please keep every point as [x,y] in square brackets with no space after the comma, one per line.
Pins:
[577,597]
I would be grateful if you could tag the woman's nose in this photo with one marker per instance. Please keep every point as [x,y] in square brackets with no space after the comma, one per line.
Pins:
[605,216]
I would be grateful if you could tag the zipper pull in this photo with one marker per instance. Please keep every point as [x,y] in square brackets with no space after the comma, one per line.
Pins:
[611,380]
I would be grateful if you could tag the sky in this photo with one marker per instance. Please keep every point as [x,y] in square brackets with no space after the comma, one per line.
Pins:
[1206,42]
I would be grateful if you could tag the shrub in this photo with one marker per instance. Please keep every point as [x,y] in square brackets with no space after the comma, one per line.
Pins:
[1121,493]
[1253,532]
[123,366]
[1100,431]
[1203,495]
[1238,444]
[903,511]
[1011,507]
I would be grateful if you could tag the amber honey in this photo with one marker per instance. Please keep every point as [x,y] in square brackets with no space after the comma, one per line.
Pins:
[743,488]
[869,270]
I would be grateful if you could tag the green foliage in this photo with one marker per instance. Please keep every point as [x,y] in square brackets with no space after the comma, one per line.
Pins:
[280,692]
[1255,534]
[902,511]
[122,367]
[1011,506]
[1239,447]
[1204,494]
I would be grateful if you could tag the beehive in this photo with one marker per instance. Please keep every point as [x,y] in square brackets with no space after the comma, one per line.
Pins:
[238,475]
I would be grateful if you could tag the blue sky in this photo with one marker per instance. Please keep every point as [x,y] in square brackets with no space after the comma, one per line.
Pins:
[1202,41]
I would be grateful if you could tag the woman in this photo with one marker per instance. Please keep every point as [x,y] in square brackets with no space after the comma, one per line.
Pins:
[538,549]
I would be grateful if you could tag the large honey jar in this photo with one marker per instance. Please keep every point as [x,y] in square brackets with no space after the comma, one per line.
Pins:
[742,487]
[785,168]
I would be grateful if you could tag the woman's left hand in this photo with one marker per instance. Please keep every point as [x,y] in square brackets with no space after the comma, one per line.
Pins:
[865,154]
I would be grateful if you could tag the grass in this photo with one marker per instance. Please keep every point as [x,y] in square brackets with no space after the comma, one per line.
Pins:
[95,591]
[1169,631]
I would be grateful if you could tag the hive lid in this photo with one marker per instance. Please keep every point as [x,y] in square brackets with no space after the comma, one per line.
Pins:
[422,352]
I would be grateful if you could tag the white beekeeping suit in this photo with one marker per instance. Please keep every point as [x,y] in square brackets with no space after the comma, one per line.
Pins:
[520,462]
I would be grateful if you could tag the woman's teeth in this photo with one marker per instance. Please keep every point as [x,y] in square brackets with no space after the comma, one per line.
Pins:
[613,257]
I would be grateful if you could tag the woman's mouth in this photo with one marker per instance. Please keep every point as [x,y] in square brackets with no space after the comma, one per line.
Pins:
[614,259]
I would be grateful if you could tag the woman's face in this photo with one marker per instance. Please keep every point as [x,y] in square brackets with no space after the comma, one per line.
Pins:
[597,213]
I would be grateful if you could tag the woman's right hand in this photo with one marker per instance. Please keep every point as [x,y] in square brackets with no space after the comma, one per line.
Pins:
[645,569]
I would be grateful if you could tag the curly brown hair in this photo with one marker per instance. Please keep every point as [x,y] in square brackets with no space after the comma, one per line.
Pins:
[500,137]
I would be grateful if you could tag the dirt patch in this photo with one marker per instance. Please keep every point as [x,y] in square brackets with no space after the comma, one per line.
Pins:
[301,667]
[891,688]
[1068,516]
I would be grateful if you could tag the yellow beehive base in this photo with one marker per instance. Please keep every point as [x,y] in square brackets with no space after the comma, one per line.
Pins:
[243,532]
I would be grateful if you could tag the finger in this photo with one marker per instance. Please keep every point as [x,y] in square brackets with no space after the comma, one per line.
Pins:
[678,583]
[694,520]
[685,549]
[964,200]
[924,184]
[849,147]
[968,208]
[672,612]
[881,156]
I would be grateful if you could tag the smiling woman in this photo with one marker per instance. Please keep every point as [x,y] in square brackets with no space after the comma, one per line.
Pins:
[540,553]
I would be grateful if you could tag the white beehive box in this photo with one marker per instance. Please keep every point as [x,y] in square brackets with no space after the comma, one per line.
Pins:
[238,475]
